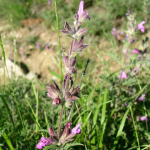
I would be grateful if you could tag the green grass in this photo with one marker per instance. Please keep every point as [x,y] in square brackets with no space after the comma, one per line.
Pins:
[26,112]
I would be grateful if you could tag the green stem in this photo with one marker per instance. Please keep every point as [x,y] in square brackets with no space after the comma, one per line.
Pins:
[58,32]
[60,120]
[135,128]
[8,141]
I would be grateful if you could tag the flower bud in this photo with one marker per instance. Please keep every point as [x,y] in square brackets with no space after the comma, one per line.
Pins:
[73,61]
[56,101]
[66,130]
[68,104]
[80,33]
[71,70]
[51,132]
[83,17]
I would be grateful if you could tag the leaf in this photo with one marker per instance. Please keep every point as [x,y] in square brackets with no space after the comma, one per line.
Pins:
[51,147]
[103,122]
[104,106]
[74,54]
[54,73]
[68,146]
[90,96]
[8,141]
[8,109]
[120,130]
[96,112]
[114,57]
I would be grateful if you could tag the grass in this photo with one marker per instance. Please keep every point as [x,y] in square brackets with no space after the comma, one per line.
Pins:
[26,112]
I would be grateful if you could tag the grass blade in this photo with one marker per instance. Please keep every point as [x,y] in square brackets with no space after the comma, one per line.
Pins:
[120,130]
[7,107]
[8,141]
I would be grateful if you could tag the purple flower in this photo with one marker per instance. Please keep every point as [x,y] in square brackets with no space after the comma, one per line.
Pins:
[125,104]
[121,32]
[142,98]
[76,130]
[49,2]
[129,117]
[38,46]
[54,93]
[56,101]
[144,118]
[128,13]
[128,36]
[114,31]
[141,26]
[137,71]
[21,52]
[23,58]
[136,51]
[43,142]
[81,11]
[123,75]
[124,51]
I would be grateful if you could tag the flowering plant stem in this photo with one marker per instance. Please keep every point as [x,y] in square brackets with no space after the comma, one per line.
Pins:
[60,120]
[58,31]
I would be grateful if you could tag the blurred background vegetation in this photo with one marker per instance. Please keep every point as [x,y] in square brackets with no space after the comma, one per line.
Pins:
[103,13]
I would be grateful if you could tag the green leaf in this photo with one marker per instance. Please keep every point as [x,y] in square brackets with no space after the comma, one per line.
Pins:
[90,96]
[8,141]
[54,73]
[114,57]
[68,146]
[51,147]
[8,109]
[104,106]
[120,130]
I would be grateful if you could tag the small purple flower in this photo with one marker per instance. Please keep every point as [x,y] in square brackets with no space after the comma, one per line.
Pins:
[124,51]
[56,101]
[21,48]
[38,46]
[114,31]
[141,26]
[128,13]
[76,130]
[128,36]
[80,11]
[142,98]
[125,104]
[144,118]
[137,71]
[129,117]
[136,51]
[23,58]
[123,75]
[46,47]
[43,142]
[121,32]
[21,52]
[49,2]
